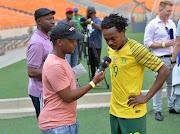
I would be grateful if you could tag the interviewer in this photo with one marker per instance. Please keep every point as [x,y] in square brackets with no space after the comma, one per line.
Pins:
[58,115]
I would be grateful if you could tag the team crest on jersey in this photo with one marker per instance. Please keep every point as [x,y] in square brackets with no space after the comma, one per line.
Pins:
[123,62]
[114,58]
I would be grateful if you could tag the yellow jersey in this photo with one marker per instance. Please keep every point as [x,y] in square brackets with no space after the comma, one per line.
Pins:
[127,71]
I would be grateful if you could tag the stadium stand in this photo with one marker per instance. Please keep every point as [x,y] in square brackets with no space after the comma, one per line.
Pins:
[11,18]
[113,3]
[148,3]
[20,12]
[17,16]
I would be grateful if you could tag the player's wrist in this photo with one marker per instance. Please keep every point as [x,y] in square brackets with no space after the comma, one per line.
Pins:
[147,98]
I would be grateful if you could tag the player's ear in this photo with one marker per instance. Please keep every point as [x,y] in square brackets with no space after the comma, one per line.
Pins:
[123,32]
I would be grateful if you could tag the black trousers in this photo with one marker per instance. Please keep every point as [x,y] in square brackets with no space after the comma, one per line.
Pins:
[36,104]
[93,61]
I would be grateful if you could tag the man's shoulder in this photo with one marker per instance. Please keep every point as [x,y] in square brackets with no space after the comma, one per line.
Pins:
[62,21]
[134,45]
[171,21]
[35,40]
[152,22]
[74,21]
[97,18]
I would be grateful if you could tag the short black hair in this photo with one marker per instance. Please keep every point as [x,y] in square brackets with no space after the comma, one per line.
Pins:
[114,20]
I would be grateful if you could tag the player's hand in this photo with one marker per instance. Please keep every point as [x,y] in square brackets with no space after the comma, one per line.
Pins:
[169,43]
[99,77]
[137,99]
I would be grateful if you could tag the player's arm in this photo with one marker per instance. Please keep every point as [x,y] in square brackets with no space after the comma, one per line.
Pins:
[146,58]
[163,73]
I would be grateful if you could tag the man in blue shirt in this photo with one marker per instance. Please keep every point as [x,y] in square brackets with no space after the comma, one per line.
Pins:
[95,38]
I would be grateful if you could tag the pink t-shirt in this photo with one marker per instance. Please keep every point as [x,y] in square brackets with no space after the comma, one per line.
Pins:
[57,75]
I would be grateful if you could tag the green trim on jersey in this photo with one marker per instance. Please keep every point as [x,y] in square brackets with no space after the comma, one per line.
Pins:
[127,71]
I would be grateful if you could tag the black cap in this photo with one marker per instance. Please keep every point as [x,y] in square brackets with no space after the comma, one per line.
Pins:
[41,12]
[63,30]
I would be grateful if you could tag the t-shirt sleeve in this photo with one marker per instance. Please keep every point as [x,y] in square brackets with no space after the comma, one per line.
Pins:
[146,58]
[148,35]
[35,55]
[57,77]
[75,24]
[98,22]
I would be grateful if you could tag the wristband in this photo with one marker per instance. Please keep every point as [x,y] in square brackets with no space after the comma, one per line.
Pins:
[92,84]
[172,62]
[91,22]
[163,44]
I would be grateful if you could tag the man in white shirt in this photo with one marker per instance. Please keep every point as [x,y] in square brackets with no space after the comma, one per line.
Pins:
[157,38]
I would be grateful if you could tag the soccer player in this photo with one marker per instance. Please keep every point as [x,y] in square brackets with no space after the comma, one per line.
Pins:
[129,59]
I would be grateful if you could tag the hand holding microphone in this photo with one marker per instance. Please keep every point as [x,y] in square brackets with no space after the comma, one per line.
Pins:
[104,64]
[100,73]
[171,41]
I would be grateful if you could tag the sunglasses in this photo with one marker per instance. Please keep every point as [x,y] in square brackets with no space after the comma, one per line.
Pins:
[167,30]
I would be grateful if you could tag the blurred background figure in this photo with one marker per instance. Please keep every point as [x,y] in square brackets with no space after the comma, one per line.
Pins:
[95,40]
[72,58]
[157,38]
[81,48]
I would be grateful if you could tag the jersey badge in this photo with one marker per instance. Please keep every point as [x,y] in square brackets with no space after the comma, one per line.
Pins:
[123,62]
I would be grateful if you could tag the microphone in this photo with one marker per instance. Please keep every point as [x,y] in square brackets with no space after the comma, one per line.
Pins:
[171,34]
[104,64]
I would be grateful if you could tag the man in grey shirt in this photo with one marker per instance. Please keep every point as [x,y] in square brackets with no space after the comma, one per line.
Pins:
[71,58]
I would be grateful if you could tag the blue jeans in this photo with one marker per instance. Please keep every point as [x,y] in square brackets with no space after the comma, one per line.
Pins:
[72,58]
[71,129]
